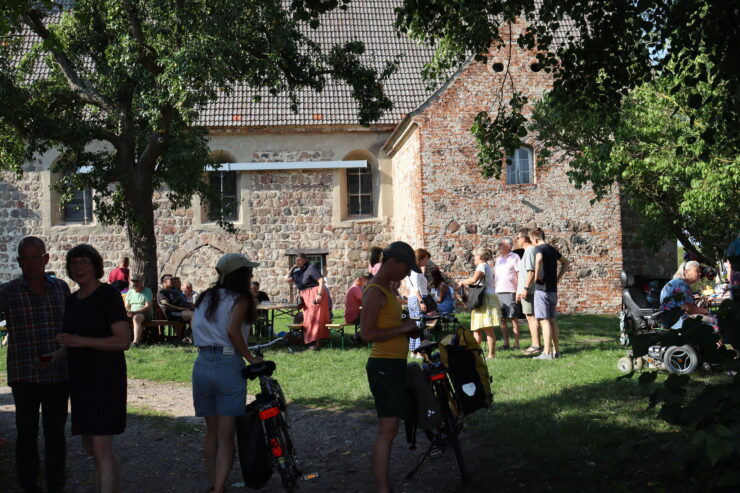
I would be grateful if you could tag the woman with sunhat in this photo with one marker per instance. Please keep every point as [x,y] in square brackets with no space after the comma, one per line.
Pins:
[221,322]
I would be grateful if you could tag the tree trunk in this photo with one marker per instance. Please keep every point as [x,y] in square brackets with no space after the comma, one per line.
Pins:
[143,241]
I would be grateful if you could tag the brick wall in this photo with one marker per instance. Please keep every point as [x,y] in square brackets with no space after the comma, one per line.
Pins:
[462,210]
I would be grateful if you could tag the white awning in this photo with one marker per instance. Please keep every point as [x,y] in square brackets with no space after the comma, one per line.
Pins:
[277,166]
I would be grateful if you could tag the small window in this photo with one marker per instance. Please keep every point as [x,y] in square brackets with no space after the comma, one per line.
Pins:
[359,192]
[223,186]
[519,167]
[79,209]
[317,259]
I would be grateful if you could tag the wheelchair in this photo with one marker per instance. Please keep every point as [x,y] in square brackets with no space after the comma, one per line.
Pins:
[641,321]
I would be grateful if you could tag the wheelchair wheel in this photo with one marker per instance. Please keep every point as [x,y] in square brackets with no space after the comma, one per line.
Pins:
[681,360]
[625,365]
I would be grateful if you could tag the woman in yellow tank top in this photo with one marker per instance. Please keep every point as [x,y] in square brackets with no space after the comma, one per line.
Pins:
[382,325]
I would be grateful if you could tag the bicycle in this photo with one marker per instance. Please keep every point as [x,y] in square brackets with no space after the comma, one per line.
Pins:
[446,433]
[273,410]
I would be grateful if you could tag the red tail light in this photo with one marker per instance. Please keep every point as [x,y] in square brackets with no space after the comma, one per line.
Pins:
[268,413]
[438,376]
[277,450]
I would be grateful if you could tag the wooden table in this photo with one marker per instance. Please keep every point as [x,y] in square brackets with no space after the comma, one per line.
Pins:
[265,325]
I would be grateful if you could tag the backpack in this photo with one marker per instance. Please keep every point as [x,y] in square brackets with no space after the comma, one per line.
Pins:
[254,456]
[463,357]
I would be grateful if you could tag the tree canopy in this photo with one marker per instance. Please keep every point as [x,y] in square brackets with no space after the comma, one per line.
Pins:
[116,86]
[605,57]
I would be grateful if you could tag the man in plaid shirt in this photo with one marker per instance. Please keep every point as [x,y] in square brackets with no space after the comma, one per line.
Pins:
[34,309]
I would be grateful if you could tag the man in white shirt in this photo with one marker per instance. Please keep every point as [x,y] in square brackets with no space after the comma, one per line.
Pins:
[506,270]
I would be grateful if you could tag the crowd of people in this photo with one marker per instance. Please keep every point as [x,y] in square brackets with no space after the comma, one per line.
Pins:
[70,346]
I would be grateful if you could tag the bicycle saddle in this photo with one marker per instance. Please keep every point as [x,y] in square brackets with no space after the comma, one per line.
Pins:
[258,369]
[426,347]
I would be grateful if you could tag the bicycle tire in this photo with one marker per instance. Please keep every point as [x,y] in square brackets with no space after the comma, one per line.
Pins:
[277,429]
[451,422]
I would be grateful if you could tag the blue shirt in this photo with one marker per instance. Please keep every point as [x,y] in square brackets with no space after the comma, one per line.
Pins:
[676,293]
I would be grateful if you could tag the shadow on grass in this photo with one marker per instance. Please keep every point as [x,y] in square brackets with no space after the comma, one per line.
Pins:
[582,436]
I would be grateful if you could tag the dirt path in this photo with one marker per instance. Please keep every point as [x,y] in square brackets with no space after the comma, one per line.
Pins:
[161,449]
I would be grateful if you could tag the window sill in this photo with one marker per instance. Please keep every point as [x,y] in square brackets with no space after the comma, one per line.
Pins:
[349,222]
[71,227]
[214,226]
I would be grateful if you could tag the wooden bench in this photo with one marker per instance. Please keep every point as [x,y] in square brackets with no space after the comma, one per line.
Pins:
[161,324]
[338,329]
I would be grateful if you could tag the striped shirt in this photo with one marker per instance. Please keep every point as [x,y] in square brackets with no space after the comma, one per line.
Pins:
[33,321]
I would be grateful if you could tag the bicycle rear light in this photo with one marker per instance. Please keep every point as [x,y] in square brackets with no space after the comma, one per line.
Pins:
[277,450]
[438,376]
[268,413]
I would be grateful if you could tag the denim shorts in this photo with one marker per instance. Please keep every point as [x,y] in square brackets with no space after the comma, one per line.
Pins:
[545,303]
[218,386]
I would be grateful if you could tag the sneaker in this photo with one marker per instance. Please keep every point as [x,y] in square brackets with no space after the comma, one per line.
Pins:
[556,354]
[544,356]
[504,347]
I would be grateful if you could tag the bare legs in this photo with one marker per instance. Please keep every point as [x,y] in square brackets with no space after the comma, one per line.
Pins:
[505,331]
[534,330]
[381,454]
[107,476]
[138,320]
[218,450]
[550,335]
[490,339]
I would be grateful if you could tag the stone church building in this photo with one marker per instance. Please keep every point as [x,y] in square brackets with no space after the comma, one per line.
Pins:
[318,182]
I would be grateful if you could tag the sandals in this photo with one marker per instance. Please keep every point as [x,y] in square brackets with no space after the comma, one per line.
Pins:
[532,350]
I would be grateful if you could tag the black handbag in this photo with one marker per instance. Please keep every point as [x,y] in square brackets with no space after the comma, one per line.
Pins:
[429,302]
[476,296]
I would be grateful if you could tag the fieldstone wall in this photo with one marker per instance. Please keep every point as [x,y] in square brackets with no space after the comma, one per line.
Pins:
[638,259]
[287,210]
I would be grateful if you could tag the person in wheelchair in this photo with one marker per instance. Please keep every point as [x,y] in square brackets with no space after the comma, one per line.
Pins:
[677,293]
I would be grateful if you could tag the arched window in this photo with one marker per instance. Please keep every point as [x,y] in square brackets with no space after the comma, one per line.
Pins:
[359,191]
[80,208]
[520,167]
[223,186]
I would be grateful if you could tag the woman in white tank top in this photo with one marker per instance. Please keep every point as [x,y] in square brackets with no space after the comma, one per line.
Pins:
[223,314]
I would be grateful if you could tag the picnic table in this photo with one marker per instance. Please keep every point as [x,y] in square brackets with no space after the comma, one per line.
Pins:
[265,324]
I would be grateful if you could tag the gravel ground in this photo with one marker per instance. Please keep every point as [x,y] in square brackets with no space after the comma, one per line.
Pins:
[161,449]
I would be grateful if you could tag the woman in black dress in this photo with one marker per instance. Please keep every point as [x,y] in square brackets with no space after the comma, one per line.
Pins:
[96,333]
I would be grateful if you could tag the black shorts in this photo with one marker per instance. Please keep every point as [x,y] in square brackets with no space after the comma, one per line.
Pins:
[388,386]
[174,316]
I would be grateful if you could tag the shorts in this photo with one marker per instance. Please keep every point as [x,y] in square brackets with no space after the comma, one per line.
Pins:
[509,308]
[387,380]
[528,304]
[173,316]
[219,389]
[545,303]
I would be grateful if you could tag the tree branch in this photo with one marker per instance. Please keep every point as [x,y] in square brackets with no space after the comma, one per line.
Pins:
[80,87]
[157,141]
[147,56]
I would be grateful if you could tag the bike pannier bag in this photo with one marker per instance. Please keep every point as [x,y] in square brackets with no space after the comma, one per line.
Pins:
[422,407]
[463,357]
[254,456]
[476,296]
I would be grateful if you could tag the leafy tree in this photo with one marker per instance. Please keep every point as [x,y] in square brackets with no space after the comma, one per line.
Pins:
[127,79]
[682,186]
[598,53]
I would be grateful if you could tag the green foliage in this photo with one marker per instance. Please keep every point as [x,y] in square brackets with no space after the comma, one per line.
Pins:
[117,88]
[682,186]
[672,67]
[708,450]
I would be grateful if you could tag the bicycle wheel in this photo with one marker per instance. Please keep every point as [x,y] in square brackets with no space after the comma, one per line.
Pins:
[453,429]
[283,453]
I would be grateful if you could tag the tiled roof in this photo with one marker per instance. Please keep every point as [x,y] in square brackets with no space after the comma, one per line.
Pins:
[370,21]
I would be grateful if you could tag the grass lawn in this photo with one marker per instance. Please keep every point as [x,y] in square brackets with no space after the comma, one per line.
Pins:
[554,425]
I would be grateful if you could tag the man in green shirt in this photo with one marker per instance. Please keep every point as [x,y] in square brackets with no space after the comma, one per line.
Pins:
[139,306]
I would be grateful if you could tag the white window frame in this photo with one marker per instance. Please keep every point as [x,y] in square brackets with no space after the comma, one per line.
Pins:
[514,170]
